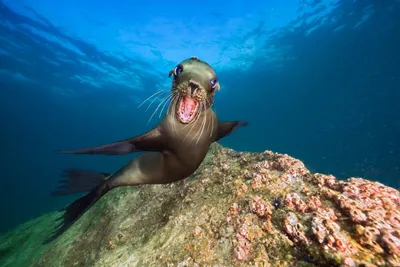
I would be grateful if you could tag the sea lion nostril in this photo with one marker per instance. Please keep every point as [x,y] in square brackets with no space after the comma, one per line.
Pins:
[193,87]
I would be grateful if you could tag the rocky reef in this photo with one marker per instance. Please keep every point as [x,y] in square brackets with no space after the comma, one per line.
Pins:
[238,209]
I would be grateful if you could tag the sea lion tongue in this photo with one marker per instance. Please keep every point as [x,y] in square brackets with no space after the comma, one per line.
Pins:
[187,109]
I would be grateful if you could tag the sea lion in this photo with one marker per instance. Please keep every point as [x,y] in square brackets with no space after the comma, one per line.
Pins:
[174,149]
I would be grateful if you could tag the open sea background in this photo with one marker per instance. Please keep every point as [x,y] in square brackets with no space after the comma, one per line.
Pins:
[319,80]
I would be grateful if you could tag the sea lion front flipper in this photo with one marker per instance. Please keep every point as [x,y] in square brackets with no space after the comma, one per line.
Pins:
[150,141]
[226,128]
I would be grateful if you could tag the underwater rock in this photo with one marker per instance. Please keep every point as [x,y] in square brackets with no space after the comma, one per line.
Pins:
[237,209]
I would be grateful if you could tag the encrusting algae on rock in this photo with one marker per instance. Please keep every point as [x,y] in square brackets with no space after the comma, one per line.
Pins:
[238,209]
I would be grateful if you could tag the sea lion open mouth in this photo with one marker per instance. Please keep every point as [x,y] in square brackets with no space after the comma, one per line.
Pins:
[187,109]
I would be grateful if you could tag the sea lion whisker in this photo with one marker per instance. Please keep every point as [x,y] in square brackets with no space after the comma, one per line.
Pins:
[200,109]
[187,134]
[175,107]
[171,106]
[173,110]
[193,124]
[197,116]
[155,98]
[153,95]
[203,125]
[207,104]
[204,122]
[170,98]
[212,121]
[167,99]
[159,105]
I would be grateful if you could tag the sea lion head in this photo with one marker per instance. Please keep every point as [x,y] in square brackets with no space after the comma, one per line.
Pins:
[193,88]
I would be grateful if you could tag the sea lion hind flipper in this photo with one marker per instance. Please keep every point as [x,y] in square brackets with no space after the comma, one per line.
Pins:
[72,212]
[150,141]
[227,127]
[76,209]
[78,181]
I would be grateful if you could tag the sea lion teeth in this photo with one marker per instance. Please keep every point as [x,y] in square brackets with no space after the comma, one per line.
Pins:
[172,151]
[188,108]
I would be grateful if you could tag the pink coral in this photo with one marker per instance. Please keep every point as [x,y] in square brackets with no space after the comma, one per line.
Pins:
[290,165]
[319,229]
[260,207]
[391,241]
[242,249]
[234,210]
[314,203]
[257,181]
[357,215]
[294,201]
[374,207]
[262,167]
[328,232]
[294,228]
[247,232]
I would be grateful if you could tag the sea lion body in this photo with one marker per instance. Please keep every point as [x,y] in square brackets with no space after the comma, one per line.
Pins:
[172,150]
[183,156]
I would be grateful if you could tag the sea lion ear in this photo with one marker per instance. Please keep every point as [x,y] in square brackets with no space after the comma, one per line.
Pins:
[218,87]
[171,73]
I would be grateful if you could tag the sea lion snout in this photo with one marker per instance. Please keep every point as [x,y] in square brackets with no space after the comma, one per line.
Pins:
[193,86]
[192,89]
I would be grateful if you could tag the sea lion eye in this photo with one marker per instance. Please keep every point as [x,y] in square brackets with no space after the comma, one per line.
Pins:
[178,70]
[213,83]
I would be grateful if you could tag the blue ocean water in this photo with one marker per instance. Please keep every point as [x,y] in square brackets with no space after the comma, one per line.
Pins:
[316,79]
